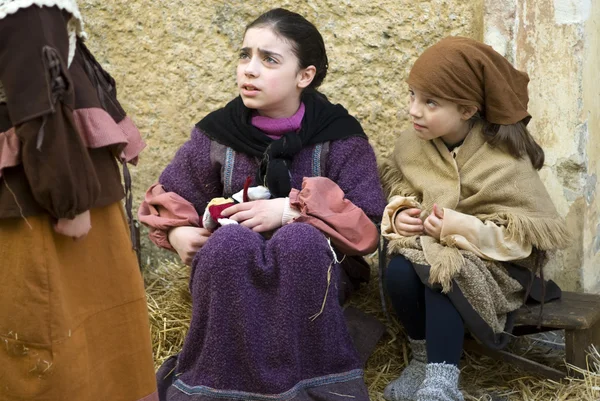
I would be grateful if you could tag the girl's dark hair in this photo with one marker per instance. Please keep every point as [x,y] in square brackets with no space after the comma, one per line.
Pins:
[514,139]
[306,41]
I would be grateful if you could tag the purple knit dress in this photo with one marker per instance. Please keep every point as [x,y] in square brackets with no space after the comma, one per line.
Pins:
[251,336]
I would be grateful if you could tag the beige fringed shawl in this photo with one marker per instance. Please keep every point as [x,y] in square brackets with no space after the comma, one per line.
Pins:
[481,181]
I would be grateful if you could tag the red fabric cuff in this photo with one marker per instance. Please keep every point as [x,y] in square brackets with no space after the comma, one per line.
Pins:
[162,211]
[322,204]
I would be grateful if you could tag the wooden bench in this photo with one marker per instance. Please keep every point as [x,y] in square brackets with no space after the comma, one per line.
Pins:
[579,316]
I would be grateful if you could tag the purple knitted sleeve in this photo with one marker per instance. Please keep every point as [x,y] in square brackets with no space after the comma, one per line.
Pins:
[352,165]
[191,174]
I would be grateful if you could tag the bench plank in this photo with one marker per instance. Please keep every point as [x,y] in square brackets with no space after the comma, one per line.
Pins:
[572,311]
[578,314]
[577,343]
[516,360]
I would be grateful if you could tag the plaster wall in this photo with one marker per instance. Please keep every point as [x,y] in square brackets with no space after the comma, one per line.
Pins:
[556,42]
[174,61]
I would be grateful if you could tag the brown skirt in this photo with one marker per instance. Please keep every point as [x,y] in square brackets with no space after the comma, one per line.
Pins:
[73,315]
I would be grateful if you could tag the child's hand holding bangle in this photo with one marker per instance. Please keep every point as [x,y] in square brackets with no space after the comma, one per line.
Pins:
[433,223]
[408,223]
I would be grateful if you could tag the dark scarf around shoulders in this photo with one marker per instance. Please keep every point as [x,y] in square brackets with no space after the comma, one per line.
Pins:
[323,121]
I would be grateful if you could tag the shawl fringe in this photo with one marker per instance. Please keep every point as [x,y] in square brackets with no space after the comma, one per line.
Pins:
[393,181]
[446,265]
[544,233]
[398,243]
[446,261]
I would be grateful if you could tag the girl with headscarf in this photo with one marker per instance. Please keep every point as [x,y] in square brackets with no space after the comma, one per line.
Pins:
[468,220]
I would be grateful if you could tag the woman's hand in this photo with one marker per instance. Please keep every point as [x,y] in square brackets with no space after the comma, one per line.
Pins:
[187,241]
[408,223]
[260,215]
[433,223]
[78,227]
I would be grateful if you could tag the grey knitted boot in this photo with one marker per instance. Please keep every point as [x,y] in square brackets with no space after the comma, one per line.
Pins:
[440,384]
[405,386]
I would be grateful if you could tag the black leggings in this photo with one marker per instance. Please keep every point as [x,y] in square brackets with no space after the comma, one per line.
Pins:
[425,313]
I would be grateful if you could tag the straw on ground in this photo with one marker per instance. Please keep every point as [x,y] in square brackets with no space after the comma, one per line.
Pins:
[483,379]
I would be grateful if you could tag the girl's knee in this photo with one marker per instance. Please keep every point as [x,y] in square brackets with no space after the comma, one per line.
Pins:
[301,243]
[231,241]
[401,275]
[299,238]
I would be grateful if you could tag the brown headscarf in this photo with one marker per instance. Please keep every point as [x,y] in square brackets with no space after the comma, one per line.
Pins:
[471,73]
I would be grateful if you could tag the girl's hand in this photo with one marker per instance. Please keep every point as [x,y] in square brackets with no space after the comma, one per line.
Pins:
[408,223]
[187,241]
[433,223]
[259,216]
[77,227]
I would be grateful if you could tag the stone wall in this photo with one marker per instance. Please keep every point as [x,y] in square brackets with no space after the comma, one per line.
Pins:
[174,61]
[557,43]
[590,118]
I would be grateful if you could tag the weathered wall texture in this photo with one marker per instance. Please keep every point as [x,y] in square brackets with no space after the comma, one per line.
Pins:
[174,61]
[590,116]
[557,43]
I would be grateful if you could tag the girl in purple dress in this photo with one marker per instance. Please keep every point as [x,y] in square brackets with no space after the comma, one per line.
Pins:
[266,320]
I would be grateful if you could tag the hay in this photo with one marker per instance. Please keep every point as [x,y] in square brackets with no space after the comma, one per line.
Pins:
[482,379]
[169,306]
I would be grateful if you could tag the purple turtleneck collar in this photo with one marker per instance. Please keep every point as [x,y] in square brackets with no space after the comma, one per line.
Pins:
[276,127]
